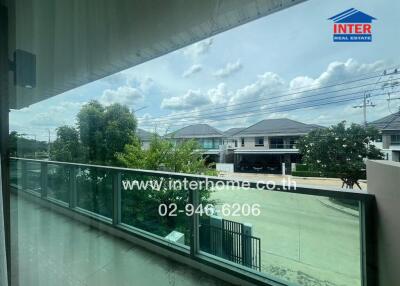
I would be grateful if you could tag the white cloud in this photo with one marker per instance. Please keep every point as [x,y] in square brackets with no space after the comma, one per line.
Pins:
[337,72]
[219,95]
[301,82]
[124,95]
[190,100]
[266,84]
[47,119]
[192,70]
[199,48]
[270,96]
[229,69]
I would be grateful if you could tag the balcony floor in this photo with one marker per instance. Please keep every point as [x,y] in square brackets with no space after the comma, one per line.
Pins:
[50,249]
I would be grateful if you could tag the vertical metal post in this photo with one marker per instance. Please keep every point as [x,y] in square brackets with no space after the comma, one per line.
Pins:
[117,198]
[43,180]
[247,251]
[194,199]
[4,130]
[368,242]
[72,187]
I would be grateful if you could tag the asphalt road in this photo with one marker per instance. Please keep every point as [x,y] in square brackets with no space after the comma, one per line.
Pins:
[302,240]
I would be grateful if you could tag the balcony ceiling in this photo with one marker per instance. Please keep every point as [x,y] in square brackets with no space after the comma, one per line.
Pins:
[80,41]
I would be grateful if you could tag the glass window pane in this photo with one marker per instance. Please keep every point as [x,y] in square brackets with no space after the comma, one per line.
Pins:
[301,239]
[58,182]
[94,190]
[33,176]
[156,204]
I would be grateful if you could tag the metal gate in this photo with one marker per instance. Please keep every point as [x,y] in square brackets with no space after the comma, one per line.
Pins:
[231,243]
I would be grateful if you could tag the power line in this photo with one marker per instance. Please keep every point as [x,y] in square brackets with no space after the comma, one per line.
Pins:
[178,115]
[164,118]
[265,111]
[258,110]
[230,112]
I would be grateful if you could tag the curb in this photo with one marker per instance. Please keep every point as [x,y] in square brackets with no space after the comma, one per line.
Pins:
[339,208]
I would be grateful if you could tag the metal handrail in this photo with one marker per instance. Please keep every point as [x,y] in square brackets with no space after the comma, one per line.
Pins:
[300,189]
[364,199]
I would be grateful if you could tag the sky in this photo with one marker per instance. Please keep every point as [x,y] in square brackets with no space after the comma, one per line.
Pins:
[257,71]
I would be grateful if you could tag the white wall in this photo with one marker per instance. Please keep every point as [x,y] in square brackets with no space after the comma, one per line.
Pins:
[384,181]
[249,143]
[224,167]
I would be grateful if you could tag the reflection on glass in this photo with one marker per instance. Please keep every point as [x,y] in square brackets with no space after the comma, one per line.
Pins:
[58,182]
[303,239]
[33,176]
[94,190]
[150,203]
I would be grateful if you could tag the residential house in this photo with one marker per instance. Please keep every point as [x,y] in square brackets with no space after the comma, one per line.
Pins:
[264,146]
[145,138]
[390,129]
[229,141]
[209,139]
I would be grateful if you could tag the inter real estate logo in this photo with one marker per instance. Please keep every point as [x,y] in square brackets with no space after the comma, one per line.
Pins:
[352,26]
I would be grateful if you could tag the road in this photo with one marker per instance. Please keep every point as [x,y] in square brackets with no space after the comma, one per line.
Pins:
[302,240]
[329,182]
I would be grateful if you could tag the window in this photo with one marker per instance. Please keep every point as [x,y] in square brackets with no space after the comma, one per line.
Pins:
[292,142]
[395,139]
[208,144]
[259,141]
[236,143]
[242,142]
[276,143]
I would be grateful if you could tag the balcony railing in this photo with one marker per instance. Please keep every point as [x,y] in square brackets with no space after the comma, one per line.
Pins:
[299,230]
[282,146]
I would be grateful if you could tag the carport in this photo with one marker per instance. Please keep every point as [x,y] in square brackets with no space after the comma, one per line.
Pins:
[265,161]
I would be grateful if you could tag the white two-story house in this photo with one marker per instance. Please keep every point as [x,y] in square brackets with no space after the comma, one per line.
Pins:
[208,137]
[390,129]
[264,146]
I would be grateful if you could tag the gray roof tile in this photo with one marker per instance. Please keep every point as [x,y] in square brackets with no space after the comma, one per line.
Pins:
[278,126]
[233,131]
[390,122]
[196,130]
[144,135]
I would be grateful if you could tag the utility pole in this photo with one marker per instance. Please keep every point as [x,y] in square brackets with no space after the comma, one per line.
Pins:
[393,83]
[366,103]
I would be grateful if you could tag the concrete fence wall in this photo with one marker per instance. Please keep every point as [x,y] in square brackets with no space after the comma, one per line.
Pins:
[384,183]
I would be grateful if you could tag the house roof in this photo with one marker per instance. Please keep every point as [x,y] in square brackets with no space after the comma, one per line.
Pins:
[144,135]
[352,16]
[390,122]
[232,131]
[196,130]
[278,126]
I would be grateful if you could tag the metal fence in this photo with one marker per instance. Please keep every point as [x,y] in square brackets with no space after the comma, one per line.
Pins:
[229,241]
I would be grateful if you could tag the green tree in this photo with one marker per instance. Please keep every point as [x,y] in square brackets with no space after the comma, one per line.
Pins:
[164,155]
[13,143]
[340,151]
[24,147]
[67,147]
[141,206]
[104,131]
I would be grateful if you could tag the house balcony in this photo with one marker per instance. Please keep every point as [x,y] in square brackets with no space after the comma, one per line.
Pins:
[91,229]
[282,146]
